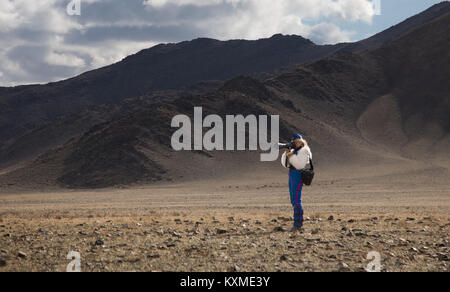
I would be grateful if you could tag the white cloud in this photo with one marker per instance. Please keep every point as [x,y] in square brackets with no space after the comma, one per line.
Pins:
[351,10]
[160,3]
[64,59]
[253,19]
[39,42]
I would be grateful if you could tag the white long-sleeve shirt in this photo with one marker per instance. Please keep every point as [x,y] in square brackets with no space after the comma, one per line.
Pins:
[299,160]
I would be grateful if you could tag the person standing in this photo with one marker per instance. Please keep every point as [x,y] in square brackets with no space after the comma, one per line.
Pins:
[296,159]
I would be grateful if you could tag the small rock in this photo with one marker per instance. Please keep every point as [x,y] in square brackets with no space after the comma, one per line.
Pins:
[221,231]
[331,218]
[351,221]
[343,267]
[2,263]
[284,258]
[315,231]
[410,219]
[99,242]
[22,255]
[178,221]
[176,234]
[236,268]
[442,256]
[279,229]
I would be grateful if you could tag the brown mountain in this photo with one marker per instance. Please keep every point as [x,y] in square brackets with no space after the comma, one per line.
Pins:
[162,67]
[395,31]
[28,111]
[365,108]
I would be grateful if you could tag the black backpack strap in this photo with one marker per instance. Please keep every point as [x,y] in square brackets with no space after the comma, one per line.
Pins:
[311,164]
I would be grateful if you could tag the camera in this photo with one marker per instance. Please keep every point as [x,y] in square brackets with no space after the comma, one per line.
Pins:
[289,145]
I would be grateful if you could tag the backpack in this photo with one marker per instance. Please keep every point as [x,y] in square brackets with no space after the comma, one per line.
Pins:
[308,174]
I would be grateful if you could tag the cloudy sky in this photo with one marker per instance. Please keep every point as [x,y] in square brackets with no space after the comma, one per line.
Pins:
[40,41]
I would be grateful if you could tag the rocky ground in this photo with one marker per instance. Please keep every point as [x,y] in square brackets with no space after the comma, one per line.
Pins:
[224,228]
[175,242]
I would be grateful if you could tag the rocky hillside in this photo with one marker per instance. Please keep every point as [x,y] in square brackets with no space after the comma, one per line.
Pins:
[366,108]
[27,111]
[163,67]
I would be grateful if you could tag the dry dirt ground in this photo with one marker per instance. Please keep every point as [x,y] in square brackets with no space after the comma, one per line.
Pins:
[231,225]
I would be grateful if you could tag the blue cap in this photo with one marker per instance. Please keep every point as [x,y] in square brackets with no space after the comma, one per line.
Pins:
[297,136]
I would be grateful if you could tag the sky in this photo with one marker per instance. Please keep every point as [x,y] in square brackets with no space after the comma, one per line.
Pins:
[50,40]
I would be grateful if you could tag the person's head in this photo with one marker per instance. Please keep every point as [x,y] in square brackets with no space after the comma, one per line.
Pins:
[299,141]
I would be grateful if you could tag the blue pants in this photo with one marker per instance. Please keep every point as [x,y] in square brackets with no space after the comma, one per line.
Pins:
[295,189]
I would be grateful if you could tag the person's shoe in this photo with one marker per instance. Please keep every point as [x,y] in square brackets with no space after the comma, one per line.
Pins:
[296,229]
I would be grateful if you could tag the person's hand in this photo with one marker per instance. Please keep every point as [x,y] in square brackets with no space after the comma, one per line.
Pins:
[287,151]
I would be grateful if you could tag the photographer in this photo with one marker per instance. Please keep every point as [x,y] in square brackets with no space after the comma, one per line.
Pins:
[296,158]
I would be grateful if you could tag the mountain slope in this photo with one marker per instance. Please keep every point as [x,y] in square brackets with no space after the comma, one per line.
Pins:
[395,31]
[165,66]
[323,100]
[36,118]
[368,108]
[417,66]
[136,148]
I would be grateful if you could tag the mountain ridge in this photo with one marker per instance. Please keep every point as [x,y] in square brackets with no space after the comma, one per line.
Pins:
[337,102]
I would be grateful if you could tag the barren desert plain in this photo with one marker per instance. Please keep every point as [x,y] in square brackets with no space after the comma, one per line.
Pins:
[236,223]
